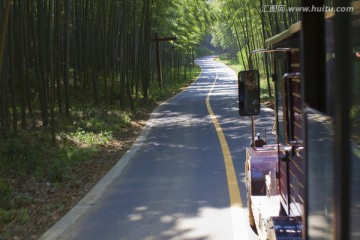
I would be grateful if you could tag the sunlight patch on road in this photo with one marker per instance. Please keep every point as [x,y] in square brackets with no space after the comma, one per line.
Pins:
[209,224]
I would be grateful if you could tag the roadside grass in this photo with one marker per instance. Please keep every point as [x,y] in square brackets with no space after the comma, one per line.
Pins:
[40,181]
[172,86]
[32,168]
[232,63]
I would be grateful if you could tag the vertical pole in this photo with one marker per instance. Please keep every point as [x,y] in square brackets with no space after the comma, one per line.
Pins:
[265,54]
[343,78]
[312,45]
[253,131]
[158,60]
[3,30]
[313,56]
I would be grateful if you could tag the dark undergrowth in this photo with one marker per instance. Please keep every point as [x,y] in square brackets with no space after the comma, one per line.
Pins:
[41,180]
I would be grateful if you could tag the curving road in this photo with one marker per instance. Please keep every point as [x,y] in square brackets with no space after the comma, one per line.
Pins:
[182,179]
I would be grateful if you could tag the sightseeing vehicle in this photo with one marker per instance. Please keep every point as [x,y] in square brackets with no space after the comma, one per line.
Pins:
[306,185]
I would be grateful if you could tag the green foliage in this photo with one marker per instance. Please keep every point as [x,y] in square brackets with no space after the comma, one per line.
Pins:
[5,193]
[82,138]
[355,114]
[237,27]
[31,153]
[203,51]
[17,157]
[13,207]
[22,215]
[5,216]
[264,91]
[188,20]
[243,26]
[223,37]
[241,58]
[22,200]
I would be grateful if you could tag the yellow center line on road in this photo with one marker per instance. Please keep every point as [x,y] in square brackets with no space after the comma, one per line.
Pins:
[233,186]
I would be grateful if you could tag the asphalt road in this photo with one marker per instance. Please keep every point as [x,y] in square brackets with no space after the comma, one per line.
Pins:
[178,181]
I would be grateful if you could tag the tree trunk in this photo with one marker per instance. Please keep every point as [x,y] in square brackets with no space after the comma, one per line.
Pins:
[3,30]
[51,71]
[39,74]
[67,57]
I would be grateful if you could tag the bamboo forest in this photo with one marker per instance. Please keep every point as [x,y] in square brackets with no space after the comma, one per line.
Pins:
[79,80]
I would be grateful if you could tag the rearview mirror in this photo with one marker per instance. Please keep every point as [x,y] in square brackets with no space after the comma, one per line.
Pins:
[249,93]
